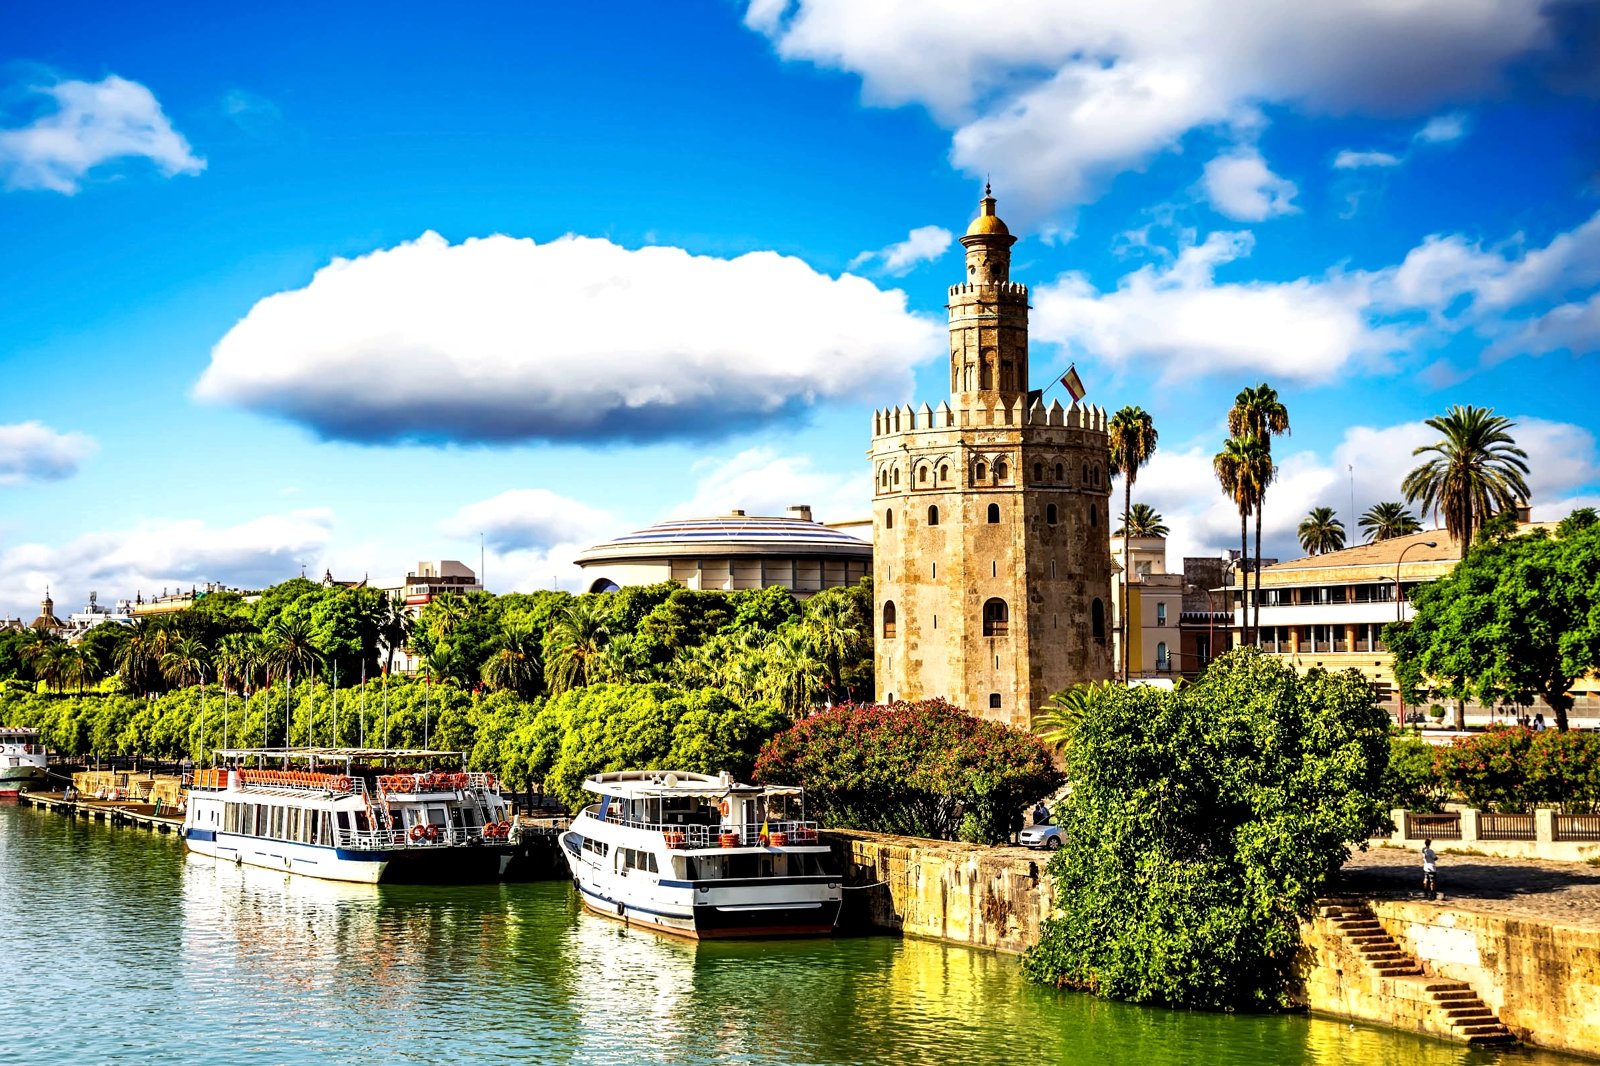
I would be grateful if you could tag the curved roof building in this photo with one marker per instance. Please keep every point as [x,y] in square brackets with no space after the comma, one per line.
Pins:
[731,551]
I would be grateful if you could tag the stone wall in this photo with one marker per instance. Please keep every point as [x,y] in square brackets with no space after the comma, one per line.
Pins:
[963,893]
[1541,980]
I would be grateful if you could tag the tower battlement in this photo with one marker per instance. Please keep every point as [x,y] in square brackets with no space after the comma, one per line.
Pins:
[894,421]
[1005,288]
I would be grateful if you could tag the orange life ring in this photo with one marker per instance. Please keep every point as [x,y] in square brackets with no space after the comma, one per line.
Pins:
[431,831]
[343,784]
[404,783]
[488,779]
[418,831]
[724,808]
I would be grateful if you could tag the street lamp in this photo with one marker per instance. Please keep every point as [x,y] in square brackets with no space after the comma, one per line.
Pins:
[1397,562]
[1399,694]
[1211,621]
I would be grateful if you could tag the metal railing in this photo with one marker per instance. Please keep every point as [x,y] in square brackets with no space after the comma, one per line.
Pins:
[1506,827]
[711,836]
[1579,827]
[386,839]
[1445,826]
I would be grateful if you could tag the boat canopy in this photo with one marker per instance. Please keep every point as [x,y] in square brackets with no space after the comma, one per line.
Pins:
[665,784]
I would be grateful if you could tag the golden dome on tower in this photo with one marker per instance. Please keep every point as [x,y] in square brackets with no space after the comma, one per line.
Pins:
[987,223]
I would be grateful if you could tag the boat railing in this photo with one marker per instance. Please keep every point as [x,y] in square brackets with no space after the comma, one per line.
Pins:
[407,784]
[442,836]
[292,780]
[749,834]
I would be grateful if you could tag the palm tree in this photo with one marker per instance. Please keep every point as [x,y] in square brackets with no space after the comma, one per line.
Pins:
[1131,436]
[394,629]
[514,664]
[1321,532]
[289,646]
[836,634]
[1476,471]
[1146,522]
[1387,520]
[1063,713]
[1244,470]
[578,636]
[138,654]
[795,676]
[185,662]
[1257,412]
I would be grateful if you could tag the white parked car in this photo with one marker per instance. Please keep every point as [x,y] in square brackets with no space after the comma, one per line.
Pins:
[1041,836]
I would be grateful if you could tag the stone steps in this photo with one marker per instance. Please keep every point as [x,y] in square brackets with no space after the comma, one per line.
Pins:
[1453,1005]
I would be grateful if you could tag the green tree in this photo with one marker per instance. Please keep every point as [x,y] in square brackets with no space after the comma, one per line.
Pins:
[185,662]
[1321,532]
[1201,825]
[1387,520]
[841,635]
[1131,436]
[1258,414]
[1244,470]
[576,641]
[1147,522]
[1062,713]
[515,663]
[1519,617]
[1476,471]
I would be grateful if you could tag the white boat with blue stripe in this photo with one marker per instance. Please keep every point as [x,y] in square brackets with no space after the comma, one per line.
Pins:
[702,856]
[351,814]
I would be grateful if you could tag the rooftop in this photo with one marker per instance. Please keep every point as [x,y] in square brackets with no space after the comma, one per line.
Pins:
[735,534]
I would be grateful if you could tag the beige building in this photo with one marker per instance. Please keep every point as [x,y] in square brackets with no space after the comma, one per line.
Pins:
[1155,606]
[732,551]
[991,578]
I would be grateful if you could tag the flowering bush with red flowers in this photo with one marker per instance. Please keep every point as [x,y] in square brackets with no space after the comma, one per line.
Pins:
[1517,769]
[924,769]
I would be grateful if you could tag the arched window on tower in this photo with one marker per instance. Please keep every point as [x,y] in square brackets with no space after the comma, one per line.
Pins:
[996,619]
[1050,514]
[1097,620]
[922,476]
[1094,518]
[982,471]
[944,471]
[933,516]
[1001,470]
[888,519]
[1061,472]
[994,514]
[890,629]
[1085,473]
[897,477]
[1038,471]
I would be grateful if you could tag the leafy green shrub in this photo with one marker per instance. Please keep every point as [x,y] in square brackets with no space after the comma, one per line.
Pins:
[1201,825]
[924,769]
[1413,780]
[1517,769]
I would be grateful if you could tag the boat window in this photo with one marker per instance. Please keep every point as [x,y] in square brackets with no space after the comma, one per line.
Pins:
[344,819]
[362,824]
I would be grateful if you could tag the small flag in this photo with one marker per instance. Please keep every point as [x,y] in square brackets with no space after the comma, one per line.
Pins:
[765,836]
[1073,383]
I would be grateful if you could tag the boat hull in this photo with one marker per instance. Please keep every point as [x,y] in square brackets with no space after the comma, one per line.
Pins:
[16,779]
[412,865]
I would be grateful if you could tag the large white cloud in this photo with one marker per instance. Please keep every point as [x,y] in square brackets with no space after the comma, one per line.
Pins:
[32,451]
[93,123]
[1240,185]
[1055,98]
[162,553]
[499,339]
[1178,318]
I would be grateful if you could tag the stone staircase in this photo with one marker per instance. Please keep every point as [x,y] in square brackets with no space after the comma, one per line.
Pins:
[1448,1008]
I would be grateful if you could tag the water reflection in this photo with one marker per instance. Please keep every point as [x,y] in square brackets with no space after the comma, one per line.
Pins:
[144,955]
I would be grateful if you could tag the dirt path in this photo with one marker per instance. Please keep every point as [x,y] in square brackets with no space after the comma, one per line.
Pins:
[1563,892]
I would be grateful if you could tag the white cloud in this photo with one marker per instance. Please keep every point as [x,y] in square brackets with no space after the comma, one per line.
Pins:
[922,245]
[500,339]
[1180,484]
[32,451]
[1352,160]
[1240,185]
[1571,327]
[526,519]
[760,481]
[93,123]
[1055,99]
[1442,129]
[1180,320]
[163,553]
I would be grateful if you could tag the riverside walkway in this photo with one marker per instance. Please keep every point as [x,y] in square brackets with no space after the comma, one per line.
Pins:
[1561,893]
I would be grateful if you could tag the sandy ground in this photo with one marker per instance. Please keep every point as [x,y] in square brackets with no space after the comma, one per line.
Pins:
[1563,892]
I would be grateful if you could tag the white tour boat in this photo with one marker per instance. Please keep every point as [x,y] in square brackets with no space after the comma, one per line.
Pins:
[701,856]
[22,760]
[343,815]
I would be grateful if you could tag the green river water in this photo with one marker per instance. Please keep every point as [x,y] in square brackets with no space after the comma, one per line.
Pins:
[122,949]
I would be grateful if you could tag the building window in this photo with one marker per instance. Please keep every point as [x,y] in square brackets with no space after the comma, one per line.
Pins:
[1050,514]
[1038,471]
[994,701]
[1001,470]
[996,619]
[1061,473]
[933,516]
[1163,664]
[1161,613]
[888,520]
[944,471]
[1097,620]
[1085,473]
[994,513]
[897,475]
[890,629]
[983,471]
[922,475]
[1094,518]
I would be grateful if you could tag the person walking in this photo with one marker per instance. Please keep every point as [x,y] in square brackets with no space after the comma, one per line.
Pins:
[1041,814]
[1430,863]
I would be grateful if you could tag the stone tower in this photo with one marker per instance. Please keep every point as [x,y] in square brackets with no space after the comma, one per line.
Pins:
[991,575]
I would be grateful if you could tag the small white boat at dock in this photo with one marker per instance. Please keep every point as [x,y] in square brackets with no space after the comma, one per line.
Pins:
[22,760]
[350,814]
[702,856]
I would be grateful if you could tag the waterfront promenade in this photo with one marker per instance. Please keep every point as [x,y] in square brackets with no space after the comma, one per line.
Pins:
[1560,893]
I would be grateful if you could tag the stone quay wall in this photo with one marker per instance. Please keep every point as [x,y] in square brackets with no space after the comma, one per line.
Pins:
[964,893]
[1541,979]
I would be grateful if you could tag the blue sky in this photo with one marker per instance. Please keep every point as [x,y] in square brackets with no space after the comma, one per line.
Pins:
[349,285]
